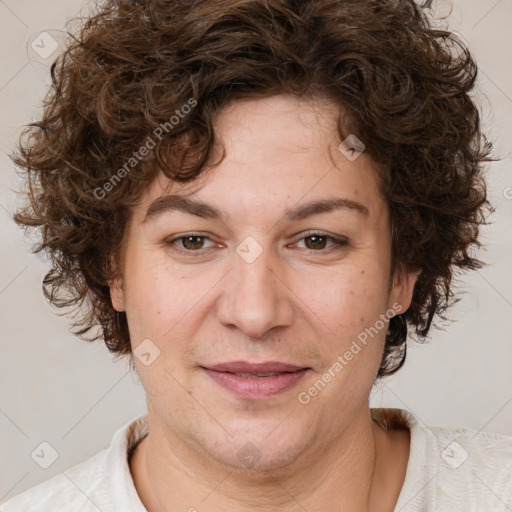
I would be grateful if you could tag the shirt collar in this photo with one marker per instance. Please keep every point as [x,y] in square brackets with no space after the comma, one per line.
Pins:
[121,487]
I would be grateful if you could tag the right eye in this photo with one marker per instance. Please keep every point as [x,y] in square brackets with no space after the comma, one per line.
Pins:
[189,242]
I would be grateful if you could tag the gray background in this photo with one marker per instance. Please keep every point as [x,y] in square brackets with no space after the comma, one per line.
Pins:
[71,394]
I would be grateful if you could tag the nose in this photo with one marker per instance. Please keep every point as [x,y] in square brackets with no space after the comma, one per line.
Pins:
[256,297]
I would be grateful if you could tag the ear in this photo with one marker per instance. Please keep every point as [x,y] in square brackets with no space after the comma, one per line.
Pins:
[116,294]
[116,289]
[402,289]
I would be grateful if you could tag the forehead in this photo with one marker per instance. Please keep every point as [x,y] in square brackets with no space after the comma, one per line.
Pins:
[278,152]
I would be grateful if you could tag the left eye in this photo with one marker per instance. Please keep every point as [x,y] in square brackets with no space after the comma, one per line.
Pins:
[319,240]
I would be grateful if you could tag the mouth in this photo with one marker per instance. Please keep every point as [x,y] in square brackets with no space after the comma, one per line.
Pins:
[256,381]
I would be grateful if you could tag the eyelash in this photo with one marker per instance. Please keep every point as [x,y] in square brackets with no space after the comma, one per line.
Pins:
[338,242]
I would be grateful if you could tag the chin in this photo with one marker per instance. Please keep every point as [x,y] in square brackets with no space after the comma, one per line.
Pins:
[256,451]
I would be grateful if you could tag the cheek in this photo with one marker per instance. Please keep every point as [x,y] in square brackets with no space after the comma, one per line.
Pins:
[351,308]
[152,296]
[350,297]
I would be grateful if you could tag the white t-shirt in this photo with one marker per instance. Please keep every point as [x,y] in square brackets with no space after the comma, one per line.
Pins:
[449,470]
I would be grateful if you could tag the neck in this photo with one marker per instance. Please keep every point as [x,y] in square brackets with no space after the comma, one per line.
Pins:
[345,473]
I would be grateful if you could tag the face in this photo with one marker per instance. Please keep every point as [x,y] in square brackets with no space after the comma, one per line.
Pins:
[241,267]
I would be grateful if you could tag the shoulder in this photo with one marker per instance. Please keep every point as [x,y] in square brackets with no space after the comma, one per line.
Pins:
[452,467]
[77,488]
[475,465]
[102,482]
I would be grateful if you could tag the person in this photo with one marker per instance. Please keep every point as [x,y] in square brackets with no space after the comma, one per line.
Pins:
[259,202]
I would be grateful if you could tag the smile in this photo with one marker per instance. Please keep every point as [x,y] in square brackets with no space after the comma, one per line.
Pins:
[246,382]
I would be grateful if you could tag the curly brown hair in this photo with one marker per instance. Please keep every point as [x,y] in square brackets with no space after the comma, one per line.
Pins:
[403,84]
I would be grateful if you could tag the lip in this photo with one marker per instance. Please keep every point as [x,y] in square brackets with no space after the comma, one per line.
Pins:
[256,388]
[255,368]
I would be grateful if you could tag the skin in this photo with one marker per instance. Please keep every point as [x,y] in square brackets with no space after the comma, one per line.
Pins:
[298,302]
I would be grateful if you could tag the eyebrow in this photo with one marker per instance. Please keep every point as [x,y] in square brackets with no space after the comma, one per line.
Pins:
[206,211]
